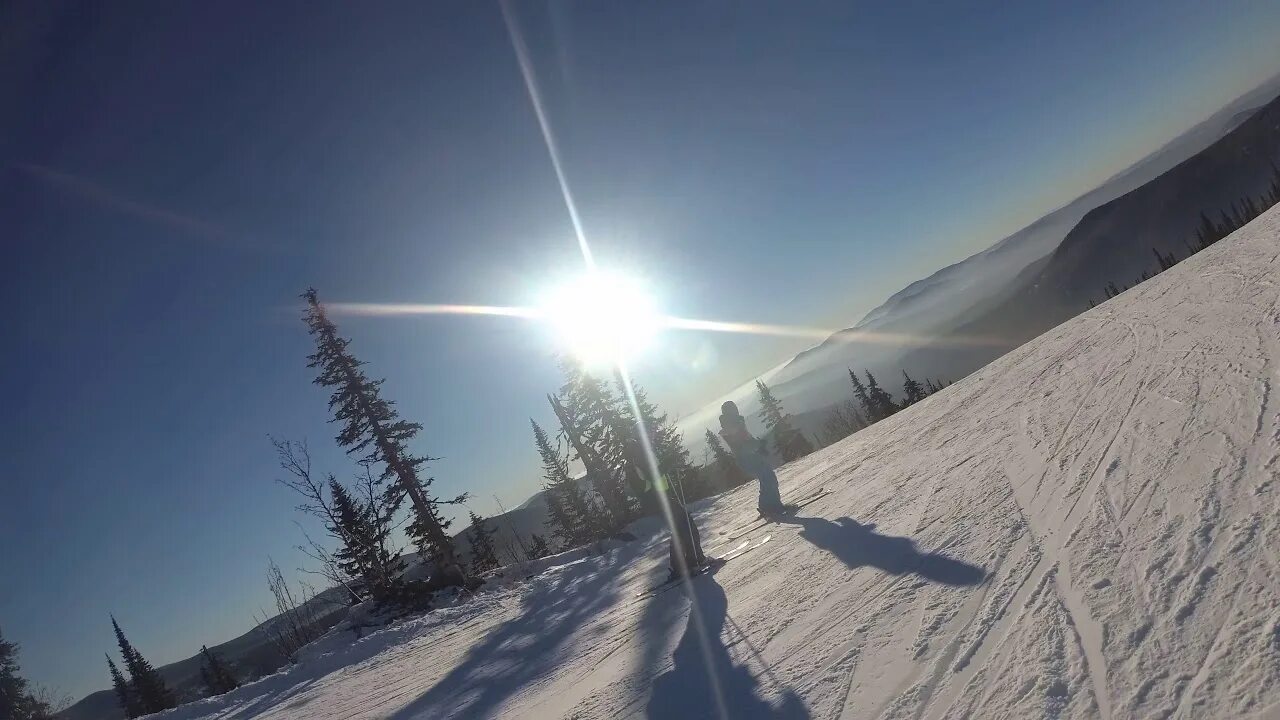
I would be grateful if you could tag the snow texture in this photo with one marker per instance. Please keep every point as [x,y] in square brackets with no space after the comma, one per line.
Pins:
[1087,527]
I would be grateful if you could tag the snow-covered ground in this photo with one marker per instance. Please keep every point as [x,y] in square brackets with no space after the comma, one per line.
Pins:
[1087,527]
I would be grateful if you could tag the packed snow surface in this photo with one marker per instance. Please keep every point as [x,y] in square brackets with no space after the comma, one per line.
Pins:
[1087,527]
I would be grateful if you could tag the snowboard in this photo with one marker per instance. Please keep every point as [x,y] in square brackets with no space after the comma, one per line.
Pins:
[763,520]
[711,565]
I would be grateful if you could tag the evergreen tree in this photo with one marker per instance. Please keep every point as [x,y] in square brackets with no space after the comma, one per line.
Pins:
[16,702]
[730,474]
[484,556]
[912,391]
[667,445]
[538,547]
[591,421]
[124,692]
[606,429]
[790,443]
[882,403]
[152,693]
[13,687]
[869,410]
[370,424]
[570,515]
[217,678]
[364,554]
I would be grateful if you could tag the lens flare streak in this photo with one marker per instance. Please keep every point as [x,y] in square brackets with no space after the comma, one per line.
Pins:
[677,323]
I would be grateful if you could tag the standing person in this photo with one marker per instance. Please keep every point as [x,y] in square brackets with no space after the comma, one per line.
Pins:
[749,453]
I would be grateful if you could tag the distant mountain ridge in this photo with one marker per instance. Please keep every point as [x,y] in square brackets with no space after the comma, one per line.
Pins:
[943,325]
[1116,241]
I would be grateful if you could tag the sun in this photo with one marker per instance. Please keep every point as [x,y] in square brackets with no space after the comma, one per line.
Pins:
[603,317]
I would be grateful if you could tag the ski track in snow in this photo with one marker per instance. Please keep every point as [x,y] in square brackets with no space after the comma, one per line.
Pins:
[1087,527]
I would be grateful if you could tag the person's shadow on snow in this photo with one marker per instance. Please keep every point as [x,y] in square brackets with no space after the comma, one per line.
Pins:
[858,545]
[703,681]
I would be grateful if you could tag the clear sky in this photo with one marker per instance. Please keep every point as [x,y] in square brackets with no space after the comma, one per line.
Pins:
[172,175]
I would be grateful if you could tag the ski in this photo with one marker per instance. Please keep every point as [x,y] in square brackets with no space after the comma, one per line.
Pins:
[762,521]
[711,565]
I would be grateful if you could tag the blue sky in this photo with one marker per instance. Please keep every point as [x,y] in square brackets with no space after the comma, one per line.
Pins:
[172,175]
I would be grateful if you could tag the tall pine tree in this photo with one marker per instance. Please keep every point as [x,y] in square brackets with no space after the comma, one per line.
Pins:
[16,703]
[666,443]
[912,391]
[603,426]
[869,410]
[729,473]
[125,696]
[882,404]
[484,556]
[152,692]
[788,441]
[570,515]
[601,451]
[370,424]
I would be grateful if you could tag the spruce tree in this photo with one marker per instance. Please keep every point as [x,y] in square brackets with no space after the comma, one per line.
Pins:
[666,443]
[790,443]
[364,554]
[881,402]
[730,474]
[152,692]
[370,424]
[601,423]
[912,391]
[602,452]
[570,515]
[869,409]
[13,687]
[217,678]
[16,702]
[484,556]
[538,547]
[125,697]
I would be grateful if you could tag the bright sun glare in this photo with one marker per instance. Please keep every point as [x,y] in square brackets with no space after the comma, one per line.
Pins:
[603,317]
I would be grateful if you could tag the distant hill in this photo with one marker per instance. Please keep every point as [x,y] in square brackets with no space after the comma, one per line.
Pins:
[1114,242]
[250,656]
[953,321]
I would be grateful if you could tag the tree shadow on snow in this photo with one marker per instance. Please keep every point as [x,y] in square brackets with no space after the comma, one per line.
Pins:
[703,681]
[519,650]
[857,545]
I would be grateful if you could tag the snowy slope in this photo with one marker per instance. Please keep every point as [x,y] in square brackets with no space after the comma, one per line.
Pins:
[1087,527]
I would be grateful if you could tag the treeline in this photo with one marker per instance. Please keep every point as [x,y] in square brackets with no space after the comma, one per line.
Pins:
[144,691]
[1208,232]
[871,403]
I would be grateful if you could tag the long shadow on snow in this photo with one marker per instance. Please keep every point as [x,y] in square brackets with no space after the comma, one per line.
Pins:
[701,663]
[521,649]
[858,545]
